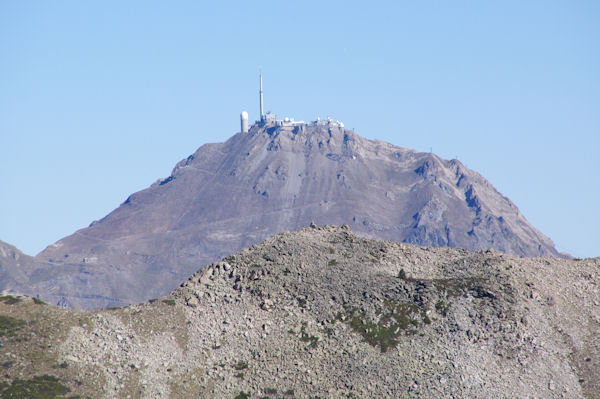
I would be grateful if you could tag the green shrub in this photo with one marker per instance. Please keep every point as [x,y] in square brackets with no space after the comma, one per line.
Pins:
[38,301]
[394,320]
[402,274]
[240,365]
[9,325]
[242,395]
[39,387]
[304,337]
[9,299]
[301,302]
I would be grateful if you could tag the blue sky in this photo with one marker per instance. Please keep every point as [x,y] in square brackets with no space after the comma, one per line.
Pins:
[98,99]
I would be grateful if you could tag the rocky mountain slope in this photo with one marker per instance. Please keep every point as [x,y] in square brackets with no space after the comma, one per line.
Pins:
[322,312]
[20,273]
[13,265]
[230,195]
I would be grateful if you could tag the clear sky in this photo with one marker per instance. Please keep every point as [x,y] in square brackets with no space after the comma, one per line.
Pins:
[98,99]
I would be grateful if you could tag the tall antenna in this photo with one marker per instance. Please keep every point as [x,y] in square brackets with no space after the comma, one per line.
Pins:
[262,114]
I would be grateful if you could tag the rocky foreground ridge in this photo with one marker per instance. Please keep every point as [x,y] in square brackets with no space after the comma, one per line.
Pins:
[324,313]
[228,196]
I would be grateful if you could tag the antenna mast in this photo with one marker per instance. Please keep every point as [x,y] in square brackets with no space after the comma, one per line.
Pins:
[262,114]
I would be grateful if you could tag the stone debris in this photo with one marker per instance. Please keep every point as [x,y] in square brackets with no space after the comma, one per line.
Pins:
[321,312]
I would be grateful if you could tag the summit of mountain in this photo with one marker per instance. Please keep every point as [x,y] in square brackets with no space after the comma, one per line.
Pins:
[278,177]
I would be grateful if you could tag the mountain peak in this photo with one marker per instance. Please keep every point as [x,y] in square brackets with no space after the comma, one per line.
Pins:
[278,176]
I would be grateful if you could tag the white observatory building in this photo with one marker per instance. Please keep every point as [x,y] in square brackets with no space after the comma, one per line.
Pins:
[244,121]
[270,119]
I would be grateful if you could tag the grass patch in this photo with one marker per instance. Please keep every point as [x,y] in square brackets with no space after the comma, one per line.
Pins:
[301,302]
[170,302]
[241,365]
[332,262]
[242,395]
[9,299]
[38,301]
[239,375]
[442,307]
[39,387]
[304,337]
[9,325]
[328,331]
[393,321]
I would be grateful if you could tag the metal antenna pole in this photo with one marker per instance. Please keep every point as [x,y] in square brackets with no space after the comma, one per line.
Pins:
[262,114]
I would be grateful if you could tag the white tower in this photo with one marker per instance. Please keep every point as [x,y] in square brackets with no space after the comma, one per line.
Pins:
[262,114]
[244,121]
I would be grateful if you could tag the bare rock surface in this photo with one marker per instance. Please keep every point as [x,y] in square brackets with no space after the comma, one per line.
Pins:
[322,312]
[228,196]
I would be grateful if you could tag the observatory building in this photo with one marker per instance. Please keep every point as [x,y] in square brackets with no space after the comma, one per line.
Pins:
[270,118]
[244,121]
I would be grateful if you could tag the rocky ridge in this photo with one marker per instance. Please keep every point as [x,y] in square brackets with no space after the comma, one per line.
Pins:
[322,312]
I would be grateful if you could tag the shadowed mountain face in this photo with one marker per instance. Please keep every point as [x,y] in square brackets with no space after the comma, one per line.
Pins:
[231,195]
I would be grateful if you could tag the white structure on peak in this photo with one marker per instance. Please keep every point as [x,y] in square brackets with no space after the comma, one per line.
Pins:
[290,122]
[329,122]
[270,118]
[244,121]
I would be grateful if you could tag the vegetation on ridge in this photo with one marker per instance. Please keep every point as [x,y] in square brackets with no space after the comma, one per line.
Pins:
[38,387]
